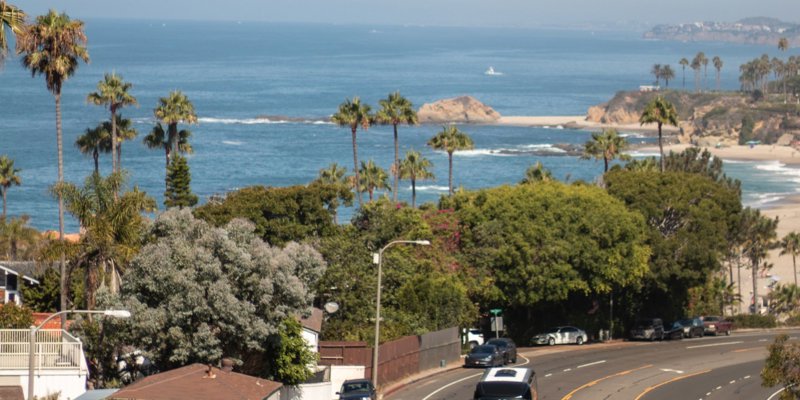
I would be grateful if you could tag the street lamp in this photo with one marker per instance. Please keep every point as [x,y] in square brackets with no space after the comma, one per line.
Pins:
[34,329]
[377,258]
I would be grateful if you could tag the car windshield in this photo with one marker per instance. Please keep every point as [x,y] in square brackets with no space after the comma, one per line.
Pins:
[498,343]
[482,350]
[355,387]
[552,330]
[711,319]
[644,323]
[677,325]
[686,322]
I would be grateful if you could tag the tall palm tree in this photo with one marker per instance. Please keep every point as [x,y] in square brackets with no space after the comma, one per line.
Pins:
[790,244]
[93,142]
[373,177]
[759,233]
[684,63]
[783,44]
[415,168]
[53,47]
[8,177]
[396,110]
[450,139]
[656,71]
[667,74]
[785,299]
[13,19]
[171,111]
[660,111]
[334,175]
[158,138]
[718,66]
[697,63]
[606,145]
[704,61]
[112,91]
[17,235]
[353,113]
[537,173]
[125,132]
[113,224]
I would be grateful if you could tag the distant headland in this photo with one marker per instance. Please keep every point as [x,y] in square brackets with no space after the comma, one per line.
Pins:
[758,30]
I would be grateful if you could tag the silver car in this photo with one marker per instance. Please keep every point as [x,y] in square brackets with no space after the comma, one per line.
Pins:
[562,335]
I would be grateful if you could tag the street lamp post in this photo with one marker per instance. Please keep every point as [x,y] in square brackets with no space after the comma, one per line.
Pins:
[34,329]
[378,259]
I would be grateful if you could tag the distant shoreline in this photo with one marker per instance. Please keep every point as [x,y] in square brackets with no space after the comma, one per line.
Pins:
[576,122]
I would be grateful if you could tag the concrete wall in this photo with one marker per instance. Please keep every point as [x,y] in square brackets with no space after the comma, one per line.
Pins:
[341,373]
[307,391]
[70,384]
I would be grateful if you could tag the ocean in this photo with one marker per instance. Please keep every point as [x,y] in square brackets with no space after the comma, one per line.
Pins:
[297,74]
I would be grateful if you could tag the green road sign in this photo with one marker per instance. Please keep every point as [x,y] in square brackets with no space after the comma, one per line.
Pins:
[496,311]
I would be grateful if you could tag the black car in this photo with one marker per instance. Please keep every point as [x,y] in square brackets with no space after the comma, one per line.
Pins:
[673,331]
[486,355]
[648,329]
[357,389]
[508,347]
[692,327]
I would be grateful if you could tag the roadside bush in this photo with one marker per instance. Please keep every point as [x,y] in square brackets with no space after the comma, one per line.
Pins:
[793,320]
[754,321]
[15,317]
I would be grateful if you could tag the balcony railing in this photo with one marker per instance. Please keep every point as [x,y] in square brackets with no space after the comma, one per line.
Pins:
[54,349]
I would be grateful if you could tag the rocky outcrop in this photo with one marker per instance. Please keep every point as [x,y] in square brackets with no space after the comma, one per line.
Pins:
[464,109]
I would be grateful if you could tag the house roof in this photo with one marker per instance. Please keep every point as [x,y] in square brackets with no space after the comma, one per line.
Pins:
[98,394]
[313,321]
[11,393]
[196,382]
[18,271]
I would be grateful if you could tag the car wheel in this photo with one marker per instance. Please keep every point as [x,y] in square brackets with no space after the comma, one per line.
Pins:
[472,345]
[514,361]
[728,332]
[551,342]
[579,341]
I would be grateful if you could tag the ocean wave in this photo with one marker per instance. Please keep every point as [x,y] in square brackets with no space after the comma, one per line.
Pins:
[260,121]
[232,142]
[633,135]
[759,200]
[779,168]
[481,152]
[642,154]
[522,150]
[431,188]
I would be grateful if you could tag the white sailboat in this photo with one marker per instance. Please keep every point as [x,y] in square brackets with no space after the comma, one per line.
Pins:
[491,71]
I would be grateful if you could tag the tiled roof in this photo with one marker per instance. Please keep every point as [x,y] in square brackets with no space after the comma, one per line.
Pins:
[195,382]
[313,321]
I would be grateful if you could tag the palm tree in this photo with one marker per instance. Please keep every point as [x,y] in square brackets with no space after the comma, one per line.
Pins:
[113,224]
[112,91]
[93,142]
[125,132]
[656,71]
[172,110]
[704,61]
[718,66]
[158,138]
[334,175]
[697,62]
[53,47]
[537,173]
[451,139]
[684,62]
[415,168]
[785,299]
[668,74]
[783,44]
[606,145]
[647,164]
[790,244]
[659,111]
[13,19]
[759,233]
[353,113]
[372,177]
[16,235]
[8,178]
[396,110]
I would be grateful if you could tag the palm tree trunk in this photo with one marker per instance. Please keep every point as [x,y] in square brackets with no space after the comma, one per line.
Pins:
[450,173]
[119,156]
[684,78]
[739,282]
[755,287]
[605,161]
[794,263]
[661,148]
[395,169]
[113,139]
[4,204]
[414,194]
[63,264]
[96,157]
[355,166]
[167,149]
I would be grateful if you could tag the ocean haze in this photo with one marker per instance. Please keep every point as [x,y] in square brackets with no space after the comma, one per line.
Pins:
[635,14]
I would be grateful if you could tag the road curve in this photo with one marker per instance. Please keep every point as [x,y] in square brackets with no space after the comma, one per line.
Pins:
[703,368]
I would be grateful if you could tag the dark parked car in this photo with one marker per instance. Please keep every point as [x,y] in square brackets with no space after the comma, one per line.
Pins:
[673,331]
[715,325]
[485,355]
[692,327]
[357,389]
[507,346]
[648,329]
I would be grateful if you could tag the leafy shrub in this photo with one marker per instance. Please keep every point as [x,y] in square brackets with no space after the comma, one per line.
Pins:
[754,321]
[15,317]
[793,320]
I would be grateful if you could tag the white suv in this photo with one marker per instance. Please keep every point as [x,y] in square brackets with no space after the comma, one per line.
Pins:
[472,337]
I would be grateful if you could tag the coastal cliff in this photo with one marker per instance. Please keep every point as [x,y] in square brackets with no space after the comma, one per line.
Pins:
[749,30]
[463,109]
[709,118]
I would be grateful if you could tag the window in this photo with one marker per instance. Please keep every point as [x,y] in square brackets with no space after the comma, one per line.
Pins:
[11,282]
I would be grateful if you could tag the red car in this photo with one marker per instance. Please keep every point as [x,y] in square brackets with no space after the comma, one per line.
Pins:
[713,325]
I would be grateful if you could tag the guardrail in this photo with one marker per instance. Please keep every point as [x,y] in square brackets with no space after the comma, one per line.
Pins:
[54,349]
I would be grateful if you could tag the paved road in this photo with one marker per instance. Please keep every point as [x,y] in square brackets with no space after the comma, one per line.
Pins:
[705,368]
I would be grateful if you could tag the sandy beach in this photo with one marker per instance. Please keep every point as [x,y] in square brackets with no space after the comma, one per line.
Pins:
[577,122]
[763,152]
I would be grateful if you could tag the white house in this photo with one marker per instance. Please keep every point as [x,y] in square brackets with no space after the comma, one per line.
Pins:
[312,326]
[10,282]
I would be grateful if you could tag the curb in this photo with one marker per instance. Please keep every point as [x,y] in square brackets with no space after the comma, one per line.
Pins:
[392,388]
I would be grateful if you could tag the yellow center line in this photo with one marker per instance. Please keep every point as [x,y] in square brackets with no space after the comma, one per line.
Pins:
[596,381]
[651,388]
[748,349]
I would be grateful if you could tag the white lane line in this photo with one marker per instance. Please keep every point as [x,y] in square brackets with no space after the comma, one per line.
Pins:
[590,364]
[677,371]
[776,393]
[548,375]
[718,388]
[714,344]
[450,384]
[747,377]
[567,370]
[762,340]
[731,382]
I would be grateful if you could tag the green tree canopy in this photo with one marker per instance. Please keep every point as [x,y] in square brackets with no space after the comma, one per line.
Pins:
[199,293]
[782,367]
[179,180]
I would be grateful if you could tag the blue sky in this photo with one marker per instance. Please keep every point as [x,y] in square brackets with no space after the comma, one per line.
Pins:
[516,13]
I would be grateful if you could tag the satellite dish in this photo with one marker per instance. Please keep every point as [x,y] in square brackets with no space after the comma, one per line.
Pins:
[331,307]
